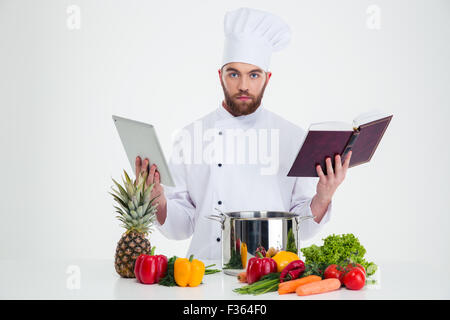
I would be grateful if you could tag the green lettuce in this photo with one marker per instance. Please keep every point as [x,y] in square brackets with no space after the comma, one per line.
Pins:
[340,250]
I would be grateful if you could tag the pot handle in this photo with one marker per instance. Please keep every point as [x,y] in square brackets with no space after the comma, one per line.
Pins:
[214,217]
[217,217]
[301,219]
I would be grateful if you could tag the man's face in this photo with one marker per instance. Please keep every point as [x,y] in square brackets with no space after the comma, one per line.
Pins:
[243,86]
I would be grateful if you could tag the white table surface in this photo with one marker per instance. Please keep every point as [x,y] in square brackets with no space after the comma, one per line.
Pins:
[30,279]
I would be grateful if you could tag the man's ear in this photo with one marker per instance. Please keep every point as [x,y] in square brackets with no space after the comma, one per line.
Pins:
[268,75]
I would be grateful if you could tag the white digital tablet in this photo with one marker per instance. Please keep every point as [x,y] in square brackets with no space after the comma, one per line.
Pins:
[139,139]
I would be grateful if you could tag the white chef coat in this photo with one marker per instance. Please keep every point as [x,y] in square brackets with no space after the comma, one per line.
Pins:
[232,186]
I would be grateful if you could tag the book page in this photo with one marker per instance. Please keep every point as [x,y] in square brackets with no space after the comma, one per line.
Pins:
[368,117]
[331,126]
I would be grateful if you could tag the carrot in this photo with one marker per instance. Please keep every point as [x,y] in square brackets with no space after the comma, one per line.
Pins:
[321,286]
[242,277]
[290,286]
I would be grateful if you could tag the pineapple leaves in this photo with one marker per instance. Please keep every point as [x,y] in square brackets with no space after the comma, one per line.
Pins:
[121,219]
[148,218]
[127,177]
[140,212]
[119,210]
[123,193]
[141,180]
[121,203]
[131,205]
[133,214]
[130,189]
[138,198]
[136,208]
[135,201]
[148,192]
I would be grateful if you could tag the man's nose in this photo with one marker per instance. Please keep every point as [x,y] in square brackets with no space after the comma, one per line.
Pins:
[243,84]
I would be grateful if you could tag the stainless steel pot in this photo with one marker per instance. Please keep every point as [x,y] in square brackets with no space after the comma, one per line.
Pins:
[244,231]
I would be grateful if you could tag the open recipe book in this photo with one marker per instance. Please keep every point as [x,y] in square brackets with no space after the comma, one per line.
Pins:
[325,139]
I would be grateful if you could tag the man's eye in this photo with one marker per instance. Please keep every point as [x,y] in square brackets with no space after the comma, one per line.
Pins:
[254,74]
[232,74]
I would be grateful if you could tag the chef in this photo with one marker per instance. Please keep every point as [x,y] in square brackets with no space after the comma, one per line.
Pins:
[237,157]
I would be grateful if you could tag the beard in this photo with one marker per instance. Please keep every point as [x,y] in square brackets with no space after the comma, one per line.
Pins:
[241,107]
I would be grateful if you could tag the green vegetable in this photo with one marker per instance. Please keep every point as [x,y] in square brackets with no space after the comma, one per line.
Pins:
[267,283]
[338,249]
[211,271]
[235,261]
[316,269]
[291,246]
[169,279]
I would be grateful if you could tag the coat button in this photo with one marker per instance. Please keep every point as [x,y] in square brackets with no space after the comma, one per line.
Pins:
[218,239]
[220,132]
[219,202]
[219,164]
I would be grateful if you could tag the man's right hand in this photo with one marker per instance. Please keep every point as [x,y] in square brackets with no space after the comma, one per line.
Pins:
[158,190]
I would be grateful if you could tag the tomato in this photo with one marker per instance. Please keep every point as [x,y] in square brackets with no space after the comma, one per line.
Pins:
[355,279]
[361,267]
[350,266]
[334,271]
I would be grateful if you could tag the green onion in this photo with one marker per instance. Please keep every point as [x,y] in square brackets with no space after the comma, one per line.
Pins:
[268,283]
[211,271]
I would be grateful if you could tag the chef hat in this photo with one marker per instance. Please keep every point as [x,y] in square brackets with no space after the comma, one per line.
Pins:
[252,35]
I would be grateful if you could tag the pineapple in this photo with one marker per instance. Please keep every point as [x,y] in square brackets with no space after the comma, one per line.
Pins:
[137,214]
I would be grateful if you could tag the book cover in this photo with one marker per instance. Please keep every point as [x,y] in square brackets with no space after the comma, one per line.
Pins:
[319,144]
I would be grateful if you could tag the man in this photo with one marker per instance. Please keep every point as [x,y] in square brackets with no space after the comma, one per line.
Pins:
[218,180]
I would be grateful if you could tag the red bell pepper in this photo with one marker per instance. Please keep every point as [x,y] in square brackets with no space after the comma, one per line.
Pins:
[149,269]
[262,250]
[259,267]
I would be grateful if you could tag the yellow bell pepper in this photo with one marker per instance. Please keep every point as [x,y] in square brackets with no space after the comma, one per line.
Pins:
[283,258]
[244,255]
[187,272]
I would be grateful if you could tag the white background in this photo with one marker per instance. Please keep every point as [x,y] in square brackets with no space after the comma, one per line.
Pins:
[157,62]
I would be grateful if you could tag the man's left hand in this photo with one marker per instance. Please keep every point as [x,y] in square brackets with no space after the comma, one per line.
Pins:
[328,184]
